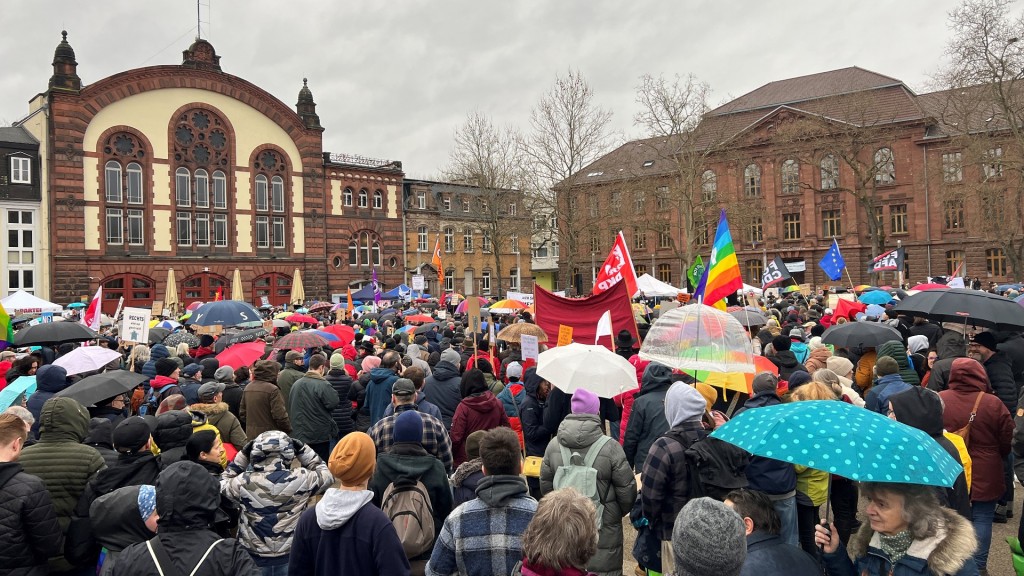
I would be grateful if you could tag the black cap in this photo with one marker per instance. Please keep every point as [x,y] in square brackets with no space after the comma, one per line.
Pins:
[166,366]
[403,387]
[131,434]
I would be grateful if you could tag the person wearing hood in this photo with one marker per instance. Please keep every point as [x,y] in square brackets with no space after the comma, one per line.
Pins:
[205,349]
[798,345]
[917,347]
[156,352]
[339,379]
[262,406]
[434,438]
[187,499]
[536,435]
[923,327]
[378,389]
[211,402]
[50,379]
[773,478]
[467,476]
[28,519]
[898,352]
[512,399]
[206,448]
[61,461]
[922,408]
[479,410]
[101,438]
[190,378]
[171,433]
[817,356]
[951,346]
[407,462]
[344,534]
[889,382]
[272,494]
[647,419]
[664,483]
[313,400]
[442,386]
[121,518]
[348,352]
[578,435]
[482,537]
[991,433]
[294,367]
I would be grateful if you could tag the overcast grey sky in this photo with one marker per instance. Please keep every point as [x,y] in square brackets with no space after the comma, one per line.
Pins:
[393,79]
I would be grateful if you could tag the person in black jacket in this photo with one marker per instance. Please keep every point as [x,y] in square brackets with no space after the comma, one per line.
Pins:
[136,464]
[536,433]
[187,498]
[28,520]
[784,359]
[339,379]
[647,419]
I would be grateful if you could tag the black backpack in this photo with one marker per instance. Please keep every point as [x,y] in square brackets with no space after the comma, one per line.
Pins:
[713,467]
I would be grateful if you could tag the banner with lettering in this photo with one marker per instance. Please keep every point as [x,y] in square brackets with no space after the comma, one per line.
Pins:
[774,273]
[889,261]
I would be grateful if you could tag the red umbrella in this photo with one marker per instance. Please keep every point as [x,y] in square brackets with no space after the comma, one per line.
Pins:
[930,286]
[419,318]
[321,306]
[344,332]
[296,340]
[301,319]
[194,306]
[243,354]
[847,309]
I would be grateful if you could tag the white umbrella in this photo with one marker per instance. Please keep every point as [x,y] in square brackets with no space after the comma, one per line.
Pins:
[594,368]
[86,359]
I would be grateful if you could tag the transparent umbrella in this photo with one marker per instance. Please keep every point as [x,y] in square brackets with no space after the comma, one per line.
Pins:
[699,337]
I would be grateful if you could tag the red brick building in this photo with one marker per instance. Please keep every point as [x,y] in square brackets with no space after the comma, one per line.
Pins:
[191,168]
[795,164]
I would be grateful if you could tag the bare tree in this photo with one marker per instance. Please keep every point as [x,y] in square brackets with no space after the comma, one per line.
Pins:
[981,109]
[568,131]
[490,158]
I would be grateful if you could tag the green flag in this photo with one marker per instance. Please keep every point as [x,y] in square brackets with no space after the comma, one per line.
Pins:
[696,271]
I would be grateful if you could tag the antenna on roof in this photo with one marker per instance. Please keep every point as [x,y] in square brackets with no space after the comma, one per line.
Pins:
[199,18]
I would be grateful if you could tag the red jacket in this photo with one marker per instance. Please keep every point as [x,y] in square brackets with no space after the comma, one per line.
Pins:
[625,400]
[481,412]
[991,432]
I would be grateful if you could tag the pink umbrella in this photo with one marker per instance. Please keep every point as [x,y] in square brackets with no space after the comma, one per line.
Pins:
[244,354]
[930,286]
[461,308]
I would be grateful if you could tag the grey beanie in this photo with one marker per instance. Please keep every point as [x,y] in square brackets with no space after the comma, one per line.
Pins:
[708,538]
[764,383]
[683,402]
[224,374]
[450,355]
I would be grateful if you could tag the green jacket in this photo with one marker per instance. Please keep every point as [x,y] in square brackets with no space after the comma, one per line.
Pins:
[286,378]
[61,461]
[312,400]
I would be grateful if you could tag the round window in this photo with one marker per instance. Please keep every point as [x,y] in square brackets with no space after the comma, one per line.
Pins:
[393,262]
[337,262]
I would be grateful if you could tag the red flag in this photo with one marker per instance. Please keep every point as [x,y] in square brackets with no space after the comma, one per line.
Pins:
[618,266]
[91,318]
[220,294]
[583,314]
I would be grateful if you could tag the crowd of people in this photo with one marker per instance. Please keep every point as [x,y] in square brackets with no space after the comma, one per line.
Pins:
[438,452]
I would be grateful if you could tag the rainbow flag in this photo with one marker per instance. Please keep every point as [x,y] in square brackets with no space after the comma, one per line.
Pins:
[722,276]
[6,330]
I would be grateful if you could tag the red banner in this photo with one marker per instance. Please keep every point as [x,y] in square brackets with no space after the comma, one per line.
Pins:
[618,266]
[583,314]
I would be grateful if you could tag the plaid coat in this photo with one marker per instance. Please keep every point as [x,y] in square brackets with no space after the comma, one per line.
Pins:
[664,486]
[435,437]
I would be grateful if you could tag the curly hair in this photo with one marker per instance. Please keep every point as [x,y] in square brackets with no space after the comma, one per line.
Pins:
[562,533]
[921,509]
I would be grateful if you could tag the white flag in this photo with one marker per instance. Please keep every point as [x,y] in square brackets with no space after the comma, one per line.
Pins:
[604,326]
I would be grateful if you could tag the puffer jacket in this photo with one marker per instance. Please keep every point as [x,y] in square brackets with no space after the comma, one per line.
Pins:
[512,399]
[478,412]
[117,524]
[186,502]
[28,522]
[50,379]
[157,352]
[273,494]
[898,352]
[442,389]
[535,433]
[616,483]
[625,400]
[312,404]
[992,430]
[218,414]
[286,379]
[340,380]
[173,429]
[61,461]
[647,419]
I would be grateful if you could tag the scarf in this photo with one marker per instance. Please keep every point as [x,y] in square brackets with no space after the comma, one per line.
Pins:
[896,546]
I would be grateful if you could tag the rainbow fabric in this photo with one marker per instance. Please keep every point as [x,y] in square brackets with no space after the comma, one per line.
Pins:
[722,276]
[6,330]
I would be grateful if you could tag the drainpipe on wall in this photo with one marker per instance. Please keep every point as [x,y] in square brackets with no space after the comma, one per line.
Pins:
[927,213]
[405,243]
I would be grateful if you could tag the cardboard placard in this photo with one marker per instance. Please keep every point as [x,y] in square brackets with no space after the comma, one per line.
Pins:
[135,327]
[530,347]
[158,307]
[418,282]
[264,301]
[564,335]
[473,311]
[214,330]
[268,325]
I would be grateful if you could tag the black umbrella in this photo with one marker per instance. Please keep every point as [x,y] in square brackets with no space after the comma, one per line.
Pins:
[426,328]
[157,335]
[224,313]
[250,335]
[53,333]
[182,336]
[860,335]
[93,389]
[749,318]
[369,316]
[965,307]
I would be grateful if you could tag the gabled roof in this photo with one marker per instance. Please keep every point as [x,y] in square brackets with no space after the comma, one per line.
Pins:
[813,86]
[17,135]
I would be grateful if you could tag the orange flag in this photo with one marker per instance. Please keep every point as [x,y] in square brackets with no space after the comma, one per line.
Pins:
[436,261]
[348,312]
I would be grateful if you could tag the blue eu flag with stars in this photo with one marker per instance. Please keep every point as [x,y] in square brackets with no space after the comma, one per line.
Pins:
[833,262]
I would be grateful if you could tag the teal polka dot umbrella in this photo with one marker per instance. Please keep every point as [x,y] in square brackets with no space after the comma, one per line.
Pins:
[842,439]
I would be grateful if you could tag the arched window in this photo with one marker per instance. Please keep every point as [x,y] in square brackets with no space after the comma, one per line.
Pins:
[885,166]
[421,239]
[271,224]
[261,193]
[137,290]
[362,198]
[277,193]
[708,185]
[378,200]
[202,154]
[203,287]
[790,177]
[346,197]
[124,199]
[829,172]
[752,180]
[277,288]
[365,249]
[353,253]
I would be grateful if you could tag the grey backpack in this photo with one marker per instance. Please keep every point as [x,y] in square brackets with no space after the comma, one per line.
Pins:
[582,477]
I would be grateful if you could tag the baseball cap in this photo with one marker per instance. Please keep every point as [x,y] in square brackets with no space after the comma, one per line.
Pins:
[403,387]
[131,434]
[191,370]
[514,370]
[209,390]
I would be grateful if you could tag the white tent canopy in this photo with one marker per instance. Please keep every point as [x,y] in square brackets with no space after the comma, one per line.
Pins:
[22,302]
[651,286]
[748,288]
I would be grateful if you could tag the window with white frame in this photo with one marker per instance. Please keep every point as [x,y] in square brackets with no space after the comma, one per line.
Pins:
[885,166]
[346,197]
[485,283]
[752,181]
[513,239]
[540,250]
[449,280]
[465,204]
[184,226]
[21,170]
[993,163]
[446,201]
[278,232]
[421,239]
[263,232]
[708,185]
[20,250]
[262,195]
[829,172]
[790,177]
[513,279]
[952,167]
[467,240]
[449,239]
[421,200]
[487,242]
[277,193]
[363,198]
[378,200]
[124,223]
